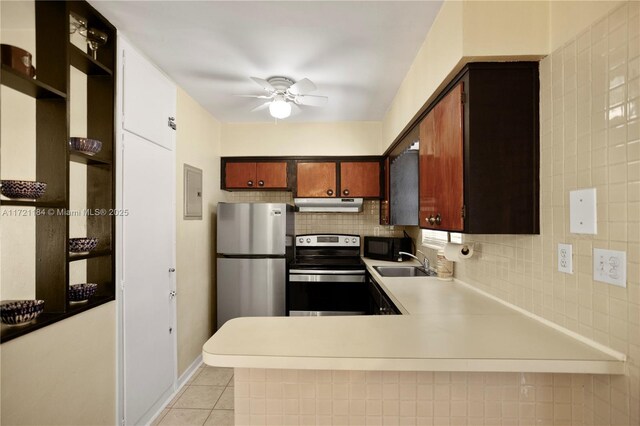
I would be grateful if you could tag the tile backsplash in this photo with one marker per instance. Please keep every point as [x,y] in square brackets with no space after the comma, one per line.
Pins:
[365,223]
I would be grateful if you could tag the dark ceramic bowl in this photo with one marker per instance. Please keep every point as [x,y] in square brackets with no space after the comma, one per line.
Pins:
[82,292]
[17,312]
[82,245]
[23,189]
[85,145]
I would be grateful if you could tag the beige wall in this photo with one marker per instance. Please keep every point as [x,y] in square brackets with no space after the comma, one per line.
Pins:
[438,59]
[198,145]
[505,28]
[63,374]
[568,18]
[337,138]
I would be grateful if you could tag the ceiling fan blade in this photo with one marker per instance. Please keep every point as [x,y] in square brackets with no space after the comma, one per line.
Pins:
[261,107]
[264,84]
[311,100]
[254,96]
[301,87]
[295,109]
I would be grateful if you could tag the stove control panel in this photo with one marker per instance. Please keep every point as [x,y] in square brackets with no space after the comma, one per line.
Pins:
[328,240]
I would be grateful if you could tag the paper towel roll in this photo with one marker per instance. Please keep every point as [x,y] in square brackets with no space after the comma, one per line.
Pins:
[458,252]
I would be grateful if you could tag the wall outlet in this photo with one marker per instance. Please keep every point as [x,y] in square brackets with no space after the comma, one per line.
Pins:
[565,258]
[610,266]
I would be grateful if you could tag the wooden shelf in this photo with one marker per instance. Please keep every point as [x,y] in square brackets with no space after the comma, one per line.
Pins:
[96,253]
[56,57]
[86,63]
[9,332]
[25,203]
[28,86]
[78,157]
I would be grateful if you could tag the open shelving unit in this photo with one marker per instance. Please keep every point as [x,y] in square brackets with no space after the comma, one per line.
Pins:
[55,57]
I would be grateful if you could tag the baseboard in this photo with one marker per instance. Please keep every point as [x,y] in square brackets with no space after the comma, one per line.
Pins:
[182,380]
[189,372]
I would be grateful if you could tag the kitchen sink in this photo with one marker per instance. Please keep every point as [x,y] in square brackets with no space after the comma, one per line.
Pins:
[403,271]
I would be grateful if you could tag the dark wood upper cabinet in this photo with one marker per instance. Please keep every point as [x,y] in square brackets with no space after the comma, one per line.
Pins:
[316,179]
[255,175]
[479,152]
[271,175]
[441,183]
[240,175]
[360,179]
[385,211]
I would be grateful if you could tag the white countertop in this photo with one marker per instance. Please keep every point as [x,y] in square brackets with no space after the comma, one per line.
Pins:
[445,326]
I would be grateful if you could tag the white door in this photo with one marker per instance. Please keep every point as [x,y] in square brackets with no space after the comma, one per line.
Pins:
[149,343]
[149,370]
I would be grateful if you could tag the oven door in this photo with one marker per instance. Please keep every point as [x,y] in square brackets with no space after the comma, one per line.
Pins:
[326,292]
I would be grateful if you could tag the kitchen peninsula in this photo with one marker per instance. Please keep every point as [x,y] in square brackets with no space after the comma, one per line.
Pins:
[446,327]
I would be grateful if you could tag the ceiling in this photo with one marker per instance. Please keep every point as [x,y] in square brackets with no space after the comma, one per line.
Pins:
[356,52]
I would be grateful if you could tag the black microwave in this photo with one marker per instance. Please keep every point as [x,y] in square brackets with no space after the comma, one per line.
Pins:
[386,248]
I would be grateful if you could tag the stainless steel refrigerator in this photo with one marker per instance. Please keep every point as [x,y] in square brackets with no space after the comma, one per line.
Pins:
[254,244]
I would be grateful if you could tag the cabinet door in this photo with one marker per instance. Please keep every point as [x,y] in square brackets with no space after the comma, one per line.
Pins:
[271,175]
[360,179]
[144,116]
[385,210]
[316,179]
[441,164]
[240,175]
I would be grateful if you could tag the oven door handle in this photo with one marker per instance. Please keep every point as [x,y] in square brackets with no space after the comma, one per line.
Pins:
[326,272]
[326,278]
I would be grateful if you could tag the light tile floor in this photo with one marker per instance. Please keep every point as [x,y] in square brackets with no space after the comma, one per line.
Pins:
[206,399]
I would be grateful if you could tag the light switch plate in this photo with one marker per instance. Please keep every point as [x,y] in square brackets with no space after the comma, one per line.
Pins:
[565,258]
[610,266]
[582,211]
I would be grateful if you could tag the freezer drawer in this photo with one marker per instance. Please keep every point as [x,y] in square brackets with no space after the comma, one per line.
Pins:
[254,228]
[250,288]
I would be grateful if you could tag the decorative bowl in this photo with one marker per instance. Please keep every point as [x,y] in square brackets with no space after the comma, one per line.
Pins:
[81,292]
[85,145]
[23,189]
[82,245]
[17,59]
[17,312]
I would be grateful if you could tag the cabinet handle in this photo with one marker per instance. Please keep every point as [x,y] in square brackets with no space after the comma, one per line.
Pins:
[345,192]
[431,220]
[438,219]
[260,183]
[329,192]
[249,183]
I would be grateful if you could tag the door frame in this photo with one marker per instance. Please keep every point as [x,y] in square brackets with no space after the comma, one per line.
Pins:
[122,44]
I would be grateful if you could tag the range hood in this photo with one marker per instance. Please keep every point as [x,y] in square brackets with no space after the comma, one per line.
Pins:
[328,205]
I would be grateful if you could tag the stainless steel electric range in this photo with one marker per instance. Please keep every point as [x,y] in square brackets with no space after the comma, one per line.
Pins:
[327,276]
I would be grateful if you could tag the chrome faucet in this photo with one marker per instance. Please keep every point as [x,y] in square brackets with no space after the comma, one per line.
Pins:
[425,260]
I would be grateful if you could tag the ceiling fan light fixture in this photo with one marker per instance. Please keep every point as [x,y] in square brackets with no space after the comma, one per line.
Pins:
[280,108]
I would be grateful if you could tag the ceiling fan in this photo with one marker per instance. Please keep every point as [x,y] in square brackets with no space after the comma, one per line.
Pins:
[283,93]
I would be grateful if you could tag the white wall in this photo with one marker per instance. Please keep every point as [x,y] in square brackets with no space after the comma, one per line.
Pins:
[271,139]
[198,145]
